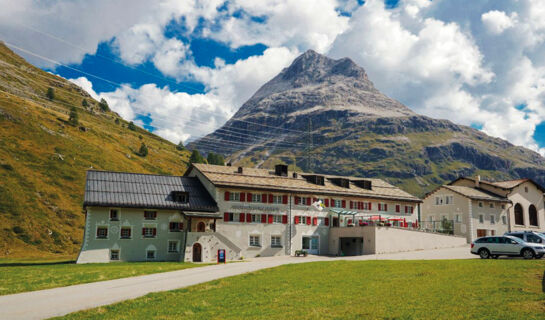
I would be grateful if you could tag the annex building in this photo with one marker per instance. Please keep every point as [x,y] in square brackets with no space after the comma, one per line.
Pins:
[245,211]
[476,208]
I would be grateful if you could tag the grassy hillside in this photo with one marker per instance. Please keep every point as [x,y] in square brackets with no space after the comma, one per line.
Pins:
[43,159]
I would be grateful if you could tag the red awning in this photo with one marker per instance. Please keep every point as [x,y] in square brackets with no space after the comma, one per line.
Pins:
[373,218]
[395,219]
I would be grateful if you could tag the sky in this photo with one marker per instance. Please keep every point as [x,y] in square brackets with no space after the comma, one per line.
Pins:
[182,68]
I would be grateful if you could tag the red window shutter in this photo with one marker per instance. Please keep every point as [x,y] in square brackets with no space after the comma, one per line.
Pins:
[332,202]
[241,217]
[285,199]
[249,197]
[263,218]
[327,202]
[349,221]
[351,204]
[248,217]
[225,217]
[154,232]
[385,207]
[242,197]
[296,220]
[143,231]
[297,200]
[370,206]
[270,218]
[314,221]
[406,209]
[285,219]
[270,198]
[264,198]
[226,196]
[308,221]
[343,203]
[326,221]
[397,207]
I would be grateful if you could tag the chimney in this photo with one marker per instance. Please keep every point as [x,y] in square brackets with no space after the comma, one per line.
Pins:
[281,170]
[229,163]
[477,181]
[239,170]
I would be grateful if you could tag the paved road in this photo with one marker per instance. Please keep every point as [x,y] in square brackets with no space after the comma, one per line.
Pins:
[60,301]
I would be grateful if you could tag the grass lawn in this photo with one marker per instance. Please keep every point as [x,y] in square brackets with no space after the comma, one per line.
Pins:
[447,289]
[23,275]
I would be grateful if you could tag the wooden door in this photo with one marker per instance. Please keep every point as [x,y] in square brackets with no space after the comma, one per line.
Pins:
[201,227]
[481,233]
[197,251]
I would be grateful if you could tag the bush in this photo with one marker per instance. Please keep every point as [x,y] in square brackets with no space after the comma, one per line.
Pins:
[84,103]
[132,126]
[214,158]
[73,119]
[143,150]
[50,93]
[104,105]
[18,230]
[117,121]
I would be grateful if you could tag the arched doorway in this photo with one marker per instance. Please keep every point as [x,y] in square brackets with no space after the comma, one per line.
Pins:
[197,252]
[201,227]
[519,215]
[532,212]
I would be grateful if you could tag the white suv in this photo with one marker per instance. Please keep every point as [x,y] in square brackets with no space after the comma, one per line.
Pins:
[528,236]
[492,247]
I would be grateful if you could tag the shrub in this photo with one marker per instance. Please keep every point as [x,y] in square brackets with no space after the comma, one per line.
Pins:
[180,146]
[143,150]
[84,103]
[50,93]
[214,158]
[73,119]
[103,104]
[117,121]
[132,126]
[196,157]
[18,230]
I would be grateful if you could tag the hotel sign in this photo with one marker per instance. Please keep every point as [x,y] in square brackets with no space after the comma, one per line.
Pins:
[256,207]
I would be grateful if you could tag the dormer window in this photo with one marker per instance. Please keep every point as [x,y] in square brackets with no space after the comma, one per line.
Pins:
[315,179]
[180,196]
[341,182]
[364,184]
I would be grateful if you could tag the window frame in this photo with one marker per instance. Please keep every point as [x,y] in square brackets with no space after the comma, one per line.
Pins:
[276,245]
[154,214]
[177,246]
[121,232]
[277,217]
[154,255]
[492,219]
[145,236]
[118,251]
[180,226]
[481,218]
[253,243]
[101,237]
[117,215]
[234,196]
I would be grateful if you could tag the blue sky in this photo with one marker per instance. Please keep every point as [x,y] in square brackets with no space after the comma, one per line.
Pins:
[183,68]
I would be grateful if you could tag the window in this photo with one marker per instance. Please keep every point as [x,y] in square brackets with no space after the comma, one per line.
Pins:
[481,218]
[532,213]
[491,205]
[276,242]
[255,218]
[337,203]
[277,199]
[480,204]
[277,218]
[125,233]
[409,209]
[229,216]
[150,215]
[519,215]
[234,196]
[173,246]
[102,232]
[150,254]
[149,232]
[518,235]
[492,220]
[503,206]
[180,196]
[448,200]
[526,189]
[532,238]
[256,197]
[438,201]
[114,215]
[176,226]
[114,255]
[458,218]
[382,207]
[254,241]
[504,219]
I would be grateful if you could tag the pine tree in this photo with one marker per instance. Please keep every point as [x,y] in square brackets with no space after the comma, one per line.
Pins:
[73,118]
[180,146]
[103,104]
[143,150]
[50,94]
[132,126]
[196,157]
[214,158]
[84,103]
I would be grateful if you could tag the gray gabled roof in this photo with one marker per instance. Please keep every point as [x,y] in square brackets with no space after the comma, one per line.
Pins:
[134,190]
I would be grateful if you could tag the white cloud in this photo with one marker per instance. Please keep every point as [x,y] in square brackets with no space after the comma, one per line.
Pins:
[497,21]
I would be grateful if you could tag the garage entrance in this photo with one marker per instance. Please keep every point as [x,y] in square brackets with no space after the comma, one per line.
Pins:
[351,246]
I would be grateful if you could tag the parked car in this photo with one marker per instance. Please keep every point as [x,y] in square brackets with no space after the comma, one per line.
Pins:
[492,247]
[528,236]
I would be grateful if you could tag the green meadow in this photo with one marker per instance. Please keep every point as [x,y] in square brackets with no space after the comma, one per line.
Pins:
[443,289]
[24,275]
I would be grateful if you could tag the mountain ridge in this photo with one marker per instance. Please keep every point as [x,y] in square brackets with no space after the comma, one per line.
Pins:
[335,105]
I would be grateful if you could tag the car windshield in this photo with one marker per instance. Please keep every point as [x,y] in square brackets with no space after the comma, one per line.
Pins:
[535,238]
